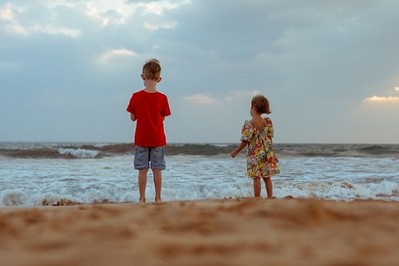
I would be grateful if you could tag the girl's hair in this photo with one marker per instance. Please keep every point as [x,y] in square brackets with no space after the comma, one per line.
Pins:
[260,104]
[152,69]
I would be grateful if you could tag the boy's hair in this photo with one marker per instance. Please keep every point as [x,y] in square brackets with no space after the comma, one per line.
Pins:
[260,104]
[152,69]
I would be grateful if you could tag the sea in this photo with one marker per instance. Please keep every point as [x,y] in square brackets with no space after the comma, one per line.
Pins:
[51,174]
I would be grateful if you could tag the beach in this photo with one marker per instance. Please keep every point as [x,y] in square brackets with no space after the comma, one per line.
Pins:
[76,204]
[241,231]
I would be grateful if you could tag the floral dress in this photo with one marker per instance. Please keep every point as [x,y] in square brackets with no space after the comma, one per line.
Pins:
[261,161]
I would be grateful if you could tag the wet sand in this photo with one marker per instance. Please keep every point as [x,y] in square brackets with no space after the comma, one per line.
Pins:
[209,232]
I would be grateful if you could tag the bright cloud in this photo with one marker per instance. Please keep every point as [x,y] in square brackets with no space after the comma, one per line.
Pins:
[109,55]
[158,7]
[382,99]
[7,14]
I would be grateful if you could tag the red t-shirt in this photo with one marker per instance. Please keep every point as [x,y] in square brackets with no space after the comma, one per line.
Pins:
[150,110]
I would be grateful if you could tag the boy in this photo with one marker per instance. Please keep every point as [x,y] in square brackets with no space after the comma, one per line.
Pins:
[149,107]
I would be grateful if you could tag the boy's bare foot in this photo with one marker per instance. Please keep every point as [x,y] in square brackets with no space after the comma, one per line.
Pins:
[158,200]
[142,200]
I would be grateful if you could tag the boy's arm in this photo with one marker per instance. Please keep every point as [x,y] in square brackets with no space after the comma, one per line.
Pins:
[132,117]
[242,145]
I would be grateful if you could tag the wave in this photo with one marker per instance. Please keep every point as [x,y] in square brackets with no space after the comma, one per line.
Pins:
[338,150]
[101,150]
[63,151]
[320,189]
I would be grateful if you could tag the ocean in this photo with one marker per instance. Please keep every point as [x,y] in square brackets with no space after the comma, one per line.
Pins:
[41,174]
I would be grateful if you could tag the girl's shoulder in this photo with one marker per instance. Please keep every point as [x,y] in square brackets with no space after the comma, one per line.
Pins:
[247,126]
[247,123]
[268,121]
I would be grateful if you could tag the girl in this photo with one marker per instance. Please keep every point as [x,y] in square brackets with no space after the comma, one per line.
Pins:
[257,135]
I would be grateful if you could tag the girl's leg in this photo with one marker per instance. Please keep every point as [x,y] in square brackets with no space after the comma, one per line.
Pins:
[142,183]
[257,187]
[269,187]
[157,184]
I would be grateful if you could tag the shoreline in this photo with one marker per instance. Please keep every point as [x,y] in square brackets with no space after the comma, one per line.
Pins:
[241,231]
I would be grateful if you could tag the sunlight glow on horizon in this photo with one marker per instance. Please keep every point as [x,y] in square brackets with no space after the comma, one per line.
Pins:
[382,99]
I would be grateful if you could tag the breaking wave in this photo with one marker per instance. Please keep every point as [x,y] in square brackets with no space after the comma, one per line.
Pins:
[100,150]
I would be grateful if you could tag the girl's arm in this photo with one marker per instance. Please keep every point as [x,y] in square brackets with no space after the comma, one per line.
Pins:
[132,117]
[239,148]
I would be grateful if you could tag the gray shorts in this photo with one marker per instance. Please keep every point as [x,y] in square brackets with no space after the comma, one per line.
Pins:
[143,156]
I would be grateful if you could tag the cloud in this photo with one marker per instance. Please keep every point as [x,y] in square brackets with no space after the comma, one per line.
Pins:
[24,19]
[115,12]
[200,99]
[158,7]
[297,53]
[240,94]
[382,99]
[10,14]
[109,55]
[17,29]
[165,25]
[55,30]
[107,15]
[119,12]
[203,99]
[7,14]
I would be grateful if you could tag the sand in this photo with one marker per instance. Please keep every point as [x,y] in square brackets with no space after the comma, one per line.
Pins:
[209,232]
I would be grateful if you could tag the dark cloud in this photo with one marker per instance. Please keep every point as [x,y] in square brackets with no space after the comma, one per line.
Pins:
[322,56]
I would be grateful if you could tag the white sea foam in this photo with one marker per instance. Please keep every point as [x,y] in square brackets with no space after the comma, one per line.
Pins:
[30,182]
[78,153]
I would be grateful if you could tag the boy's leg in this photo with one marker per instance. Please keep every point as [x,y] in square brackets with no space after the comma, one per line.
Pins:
[257,187]
[157,157]
[269,187]
[141,163]
[157,184]
[142,183]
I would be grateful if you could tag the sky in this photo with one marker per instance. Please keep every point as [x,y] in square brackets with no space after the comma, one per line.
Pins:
[330,69]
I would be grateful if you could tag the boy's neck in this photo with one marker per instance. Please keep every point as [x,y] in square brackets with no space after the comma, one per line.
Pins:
[150,89]
[150,86]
